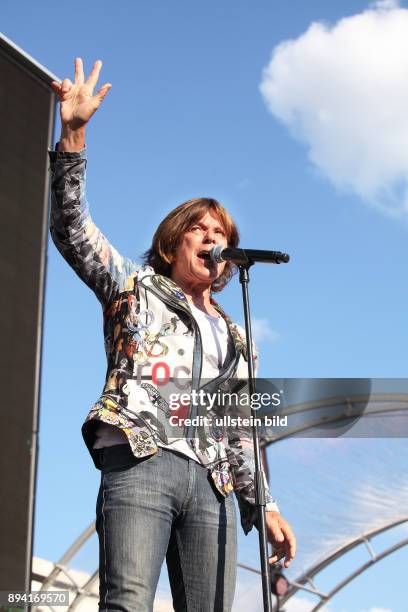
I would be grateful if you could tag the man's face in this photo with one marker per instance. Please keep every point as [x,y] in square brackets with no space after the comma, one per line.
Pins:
[190,267]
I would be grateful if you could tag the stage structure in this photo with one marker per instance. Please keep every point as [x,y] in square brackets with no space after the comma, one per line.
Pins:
[27,110]
[381,497]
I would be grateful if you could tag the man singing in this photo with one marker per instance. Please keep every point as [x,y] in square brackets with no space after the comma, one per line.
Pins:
[160,496]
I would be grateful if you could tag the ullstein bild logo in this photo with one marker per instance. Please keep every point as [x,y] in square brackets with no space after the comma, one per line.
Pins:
[230,421]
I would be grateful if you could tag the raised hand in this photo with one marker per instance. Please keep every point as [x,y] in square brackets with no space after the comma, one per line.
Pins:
[78,102]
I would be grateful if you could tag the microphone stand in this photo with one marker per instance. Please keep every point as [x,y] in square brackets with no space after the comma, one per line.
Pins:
[258,477]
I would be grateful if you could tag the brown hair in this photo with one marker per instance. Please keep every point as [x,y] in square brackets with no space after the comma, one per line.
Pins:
[166,238]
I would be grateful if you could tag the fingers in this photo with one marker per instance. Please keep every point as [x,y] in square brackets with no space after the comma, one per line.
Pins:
[288,548]
[65,86]
[79,71]
[290,542]
[102,92]
[278,552]
[93,77]
[61,88]
[275,558]
[277,534]
[282,538]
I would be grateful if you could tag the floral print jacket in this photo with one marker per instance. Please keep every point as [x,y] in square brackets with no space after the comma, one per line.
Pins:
[150,337]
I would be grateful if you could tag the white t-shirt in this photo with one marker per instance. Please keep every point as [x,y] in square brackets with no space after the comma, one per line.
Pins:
[214,336]
[215,340]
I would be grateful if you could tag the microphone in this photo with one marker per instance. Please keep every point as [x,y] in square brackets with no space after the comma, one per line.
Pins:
[218,254]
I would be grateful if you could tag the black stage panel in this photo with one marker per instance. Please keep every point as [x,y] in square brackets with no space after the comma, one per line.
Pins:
[27,106]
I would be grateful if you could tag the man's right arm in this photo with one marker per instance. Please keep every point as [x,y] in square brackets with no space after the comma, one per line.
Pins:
[75,235]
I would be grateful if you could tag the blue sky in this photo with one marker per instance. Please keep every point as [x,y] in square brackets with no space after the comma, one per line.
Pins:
[298,166]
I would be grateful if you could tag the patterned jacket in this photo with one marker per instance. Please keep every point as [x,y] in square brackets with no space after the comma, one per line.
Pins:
[151,338]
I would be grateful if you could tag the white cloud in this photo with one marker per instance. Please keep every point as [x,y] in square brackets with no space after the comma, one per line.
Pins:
[262,331]
[343,91]
[377,610]
[300,604]
[385,4]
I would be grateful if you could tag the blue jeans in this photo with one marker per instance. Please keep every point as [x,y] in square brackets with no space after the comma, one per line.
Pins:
[163,506]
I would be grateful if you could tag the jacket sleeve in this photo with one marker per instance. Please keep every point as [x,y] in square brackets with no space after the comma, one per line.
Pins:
[242,462]
[74,233]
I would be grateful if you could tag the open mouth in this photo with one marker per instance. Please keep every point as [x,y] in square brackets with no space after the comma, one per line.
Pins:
[204,255]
